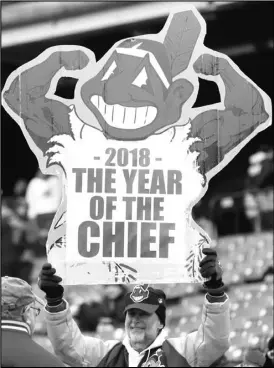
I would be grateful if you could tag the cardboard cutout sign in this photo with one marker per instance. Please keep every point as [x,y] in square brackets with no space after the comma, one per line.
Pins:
[133,154]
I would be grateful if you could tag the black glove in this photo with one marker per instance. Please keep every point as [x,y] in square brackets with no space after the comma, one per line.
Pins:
[210,268]
[49,283]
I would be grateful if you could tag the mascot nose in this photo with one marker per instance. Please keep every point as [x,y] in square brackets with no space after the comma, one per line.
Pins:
[116,92]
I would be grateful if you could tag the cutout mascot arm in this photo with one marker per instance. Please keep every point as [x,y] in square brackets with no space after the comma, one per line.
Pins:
[26,96]
[220,131]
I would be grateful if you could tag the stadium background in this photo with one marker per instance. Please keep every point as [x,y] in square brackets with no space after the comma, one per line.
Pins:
[243,31]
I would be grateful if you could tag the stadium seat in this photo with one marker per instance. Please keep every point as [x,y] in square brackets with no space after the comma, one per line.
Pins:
[245,258]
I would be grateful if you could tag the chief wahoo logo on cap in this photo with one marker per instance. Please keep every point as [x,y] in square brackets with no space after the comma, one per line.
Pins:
[139,293]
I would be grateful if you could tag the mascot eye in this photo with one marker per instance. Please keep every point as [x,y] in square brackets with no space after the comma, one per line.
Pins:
[141,78]
[110,71]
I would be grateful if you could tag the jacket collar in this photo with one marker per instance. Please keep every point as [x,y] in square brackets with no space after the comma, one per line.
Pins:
[15,326]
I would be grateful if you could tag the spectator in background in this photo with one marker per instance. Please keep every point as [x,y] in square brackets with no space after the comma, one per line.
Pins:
[260,170]
[43,196]
[111,306]
[20,207]
[13,245]
[10,254]
[19,199]
[19,308]
[115,299]
[269,357]
[20,188]
[258,199]
[17,250]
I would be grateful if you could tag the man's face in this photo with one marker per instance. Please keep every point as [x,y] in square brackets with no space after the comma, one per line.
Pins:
[142,328]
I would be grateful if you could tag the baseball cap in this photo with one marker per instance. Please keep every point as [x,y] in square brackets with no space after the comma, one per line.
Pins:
[16,294]
[148,299]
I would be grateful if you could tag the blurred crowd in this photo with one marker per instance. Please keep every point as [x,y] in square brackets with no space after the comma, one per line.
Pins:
[258,198]
[249,210]
[26,219]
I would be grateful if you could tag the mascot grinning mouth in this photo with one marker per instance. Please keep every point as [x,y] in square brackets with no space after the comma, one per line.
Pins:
[123,117]
[138,298]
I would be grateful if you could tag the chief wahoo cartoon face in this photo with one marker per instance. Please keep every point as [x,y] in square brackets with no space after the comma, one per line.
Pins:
[134,94]
[139,293]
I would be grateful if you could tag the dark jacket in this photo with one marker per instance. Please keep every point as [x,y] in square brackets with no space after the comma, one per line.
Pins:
[19,350]
[165,356]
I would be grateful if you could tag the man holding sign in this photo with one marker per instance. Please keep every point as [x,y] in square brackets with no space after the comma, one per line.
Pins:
[145,343]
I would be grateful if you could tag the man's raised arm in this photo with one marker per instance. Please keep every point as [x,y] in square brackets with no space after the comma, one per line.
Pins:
[68,342]
[204,346]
